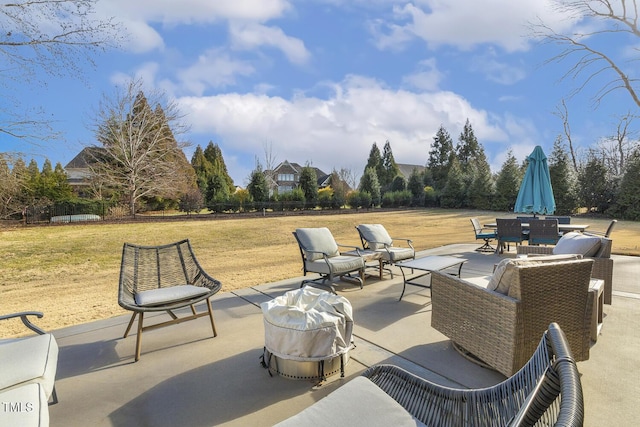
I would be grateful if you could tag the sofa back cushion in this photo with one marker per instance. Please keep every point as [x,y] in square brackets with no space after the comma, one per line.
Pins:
[506,275]
[316,240]
[376,235]
[577,243]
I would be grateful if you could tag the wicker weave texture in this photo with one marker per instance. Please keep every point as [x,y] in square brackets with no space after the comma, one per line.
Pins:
[503,330]
[546,390]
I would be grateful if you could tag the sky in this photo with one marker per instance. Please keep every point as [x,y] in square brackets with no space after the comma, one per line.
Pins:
[319,81]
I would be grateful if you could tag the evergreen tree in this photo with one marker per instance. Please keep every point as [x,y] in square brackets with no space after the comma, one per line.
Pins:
[563,180]
[213,154]
[594,188]
[440,158]
[468,148]
[628,198]
[399,183]
[416,186]
[217,192]
[507,184]
[369,184]
[480,193]
[257,187]
[375,161]
[453,193]
[389,170]
[202,168]
[309,184]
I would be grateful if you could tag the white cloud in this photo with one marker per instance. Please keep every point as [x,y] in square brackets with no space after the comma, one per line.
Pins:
[252,36]
[213,69]
[497,71]
[338,131]
[468,23]
[428,77]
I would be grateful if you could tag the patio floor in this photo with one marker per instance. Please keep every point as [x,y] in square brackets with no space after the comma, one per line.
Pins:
[187,378]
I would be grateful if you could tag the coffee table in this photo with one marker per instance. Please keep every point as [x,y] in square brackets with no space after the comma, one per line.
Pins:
[427,265]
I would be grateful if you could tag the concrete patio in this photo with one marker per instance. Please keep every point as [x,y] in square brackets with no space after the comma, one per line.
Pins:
[187,378]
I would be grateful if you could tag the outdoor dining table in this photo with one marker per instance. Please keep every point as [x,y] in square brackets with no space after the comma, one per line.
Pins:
[565,228]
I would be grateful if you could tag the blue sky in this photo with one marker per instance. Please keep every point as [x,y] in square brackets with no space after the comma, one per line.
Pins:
[320,81]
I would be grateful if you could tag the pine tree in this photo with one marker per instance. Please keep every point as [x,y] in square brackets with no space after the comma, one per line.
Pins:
[309,184]
[390,169]
[453,193]
[594,188]
[258,185]
[375,161]
[507,184]
[369,184]
[563,180]
[440,158]
[628,198]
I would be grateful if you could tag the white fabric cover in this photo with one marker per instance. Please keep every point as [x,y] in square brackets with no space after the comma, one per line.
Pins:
[29,360]
[308,324]
[505,273]
[340,264]
[395,254]
[171,294]
[357,403]
[316,240]
[24,406]
[577,243]
[376,235]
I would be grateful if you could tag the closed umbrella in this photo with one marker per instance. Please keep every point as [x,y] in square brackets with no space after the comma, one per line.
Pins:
[536,194]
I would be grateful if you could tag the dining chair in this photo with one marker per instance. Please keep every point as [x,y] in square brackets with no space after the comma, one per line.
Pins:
[508,230]
[543,232]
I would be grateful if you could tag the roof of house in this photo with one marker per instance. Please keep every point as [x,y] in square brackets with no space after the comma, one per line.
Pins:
[83,158]
[320,175]
[406,169]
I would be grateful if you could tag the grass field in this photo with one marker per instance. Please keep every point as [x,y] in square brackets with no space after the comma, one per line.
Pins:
[70,272]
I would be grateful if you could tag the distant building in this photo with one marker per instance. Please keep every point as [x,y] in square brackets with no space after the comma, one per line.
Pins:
[78,170]
[405,169]
[286,176]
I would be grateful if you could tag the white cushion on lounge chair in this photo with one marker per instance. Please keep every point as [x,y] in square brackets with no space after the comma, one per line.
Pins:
[395,254]
[167,295]
[29,360]
[317,240]
[577,243]
[376,235]
[340,264]
[24,406]
[357,403]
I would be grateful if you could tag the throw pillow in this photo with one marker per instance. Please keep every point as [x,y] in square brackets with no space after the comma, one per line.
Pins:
[577,243]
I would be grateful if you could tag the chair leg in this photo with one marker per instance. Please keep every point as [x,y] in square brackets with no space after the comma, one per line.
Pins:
[133,317]
[213,325]
[139,337]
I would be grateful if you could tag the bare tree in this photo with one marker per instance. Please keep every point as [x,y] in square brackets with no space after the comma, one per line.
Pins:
[269,166]
[40,39]
[139,153]
[616,149]
[612,20]
[563,114]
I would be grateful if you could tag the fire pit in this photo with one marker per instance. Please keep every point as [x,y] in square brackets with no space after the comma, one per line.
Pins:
[307,334]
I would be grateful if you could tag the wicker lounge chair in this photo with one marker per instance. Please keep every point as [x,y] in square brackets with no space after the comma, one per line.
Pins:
[603,264]
[546,390]
[543,232]
[501,327]
[485,234]
[321,254]
[163,278]
[376,238]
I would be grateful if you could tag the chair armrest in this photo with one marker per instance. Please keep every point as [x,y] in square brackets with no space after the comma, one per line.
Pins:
[409,241]
[358,249]
[23,317]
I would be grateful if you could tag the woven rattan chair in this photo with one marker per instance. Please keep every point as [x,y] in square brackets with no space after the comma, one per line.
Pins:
[392,249]
[543,232]
[546,391]
[321,254]
[502,329]
[602,267]
[163,278]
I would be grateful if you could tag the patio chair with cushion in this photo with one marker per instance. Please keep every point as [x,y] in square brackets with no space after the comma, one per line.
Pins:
[597,248]
[321,254]
[543,232]
[499,320]
[546,391]
[29,368]
[508,231]
[485,234]
[376,238]
[163,278]
[608,231]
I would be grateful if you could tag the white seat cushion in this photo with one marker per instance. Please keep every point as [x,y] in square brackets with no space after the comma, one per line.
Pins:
[340,264]
[577,243]
[395,254]
[317,241]
[24,406]
[29,360]
[168,295]
[357,403]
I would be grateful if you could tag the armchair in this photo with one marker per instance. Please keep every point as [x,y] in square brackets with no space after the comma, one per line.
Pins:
[375,237]
[321,254]
[163,278]
[597,248]
[500,322]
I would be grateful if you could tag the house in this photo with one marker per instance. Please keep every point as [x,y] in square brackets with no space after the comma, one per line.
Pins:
[286,176]
[406,169]
[78,170]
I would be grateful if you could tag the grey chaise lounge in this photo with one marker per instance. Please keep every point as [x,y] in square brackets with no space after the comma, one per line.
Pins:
[547,389]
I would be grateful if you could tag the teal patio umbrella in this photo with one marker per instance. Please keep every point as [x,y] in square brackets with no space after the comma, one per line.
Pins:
[536,194]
